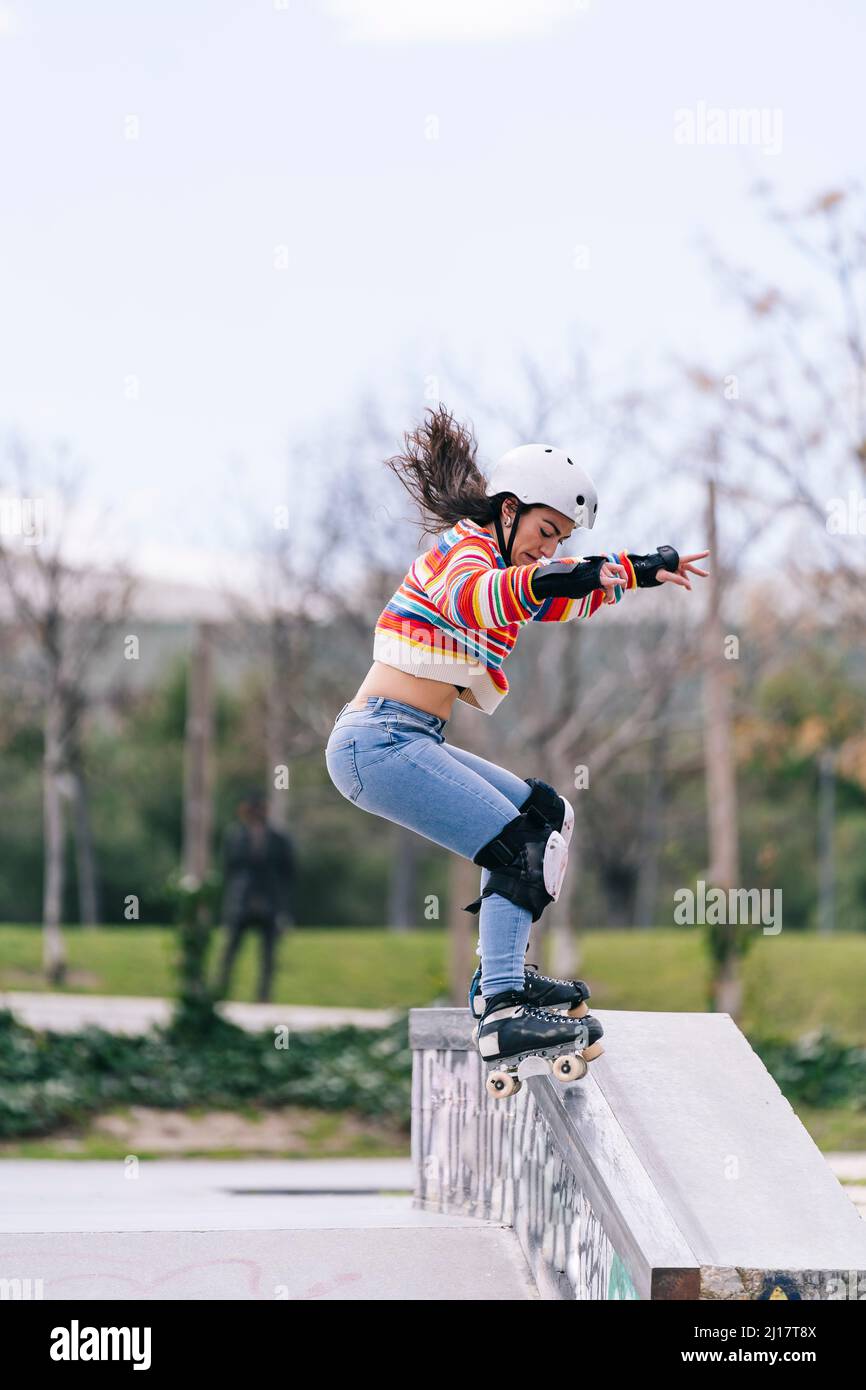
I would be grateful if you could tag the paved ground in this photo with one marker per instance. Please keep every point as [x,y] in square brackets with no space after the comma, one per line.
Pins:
[332,1229]
[266,1229]
[65,1013]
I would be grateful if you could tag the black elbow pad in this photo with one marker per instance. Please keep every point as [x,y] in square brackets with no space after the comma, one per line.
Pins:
[645,566]
[561,580]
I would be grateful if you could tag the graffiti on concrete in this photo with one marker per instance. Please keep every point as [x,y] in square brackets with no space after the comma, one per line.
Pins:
[496,1160]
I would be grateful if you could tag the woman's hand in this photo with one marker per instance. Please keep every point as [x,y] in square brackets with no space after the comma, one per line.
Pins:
[679,576]
[609,576]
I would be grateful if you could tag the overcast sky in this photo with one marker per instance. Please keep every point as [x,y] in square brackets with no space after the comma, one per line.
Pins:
[222,223]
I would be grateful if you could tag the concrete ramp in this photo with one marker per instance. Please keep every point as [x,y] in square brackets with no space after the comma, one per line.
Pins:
[675,1170]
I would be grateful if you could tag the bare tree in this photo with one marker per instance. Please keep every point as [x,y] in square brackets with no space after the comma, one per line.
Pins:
[69,612]
[798,417]
[786,426]
[330,547]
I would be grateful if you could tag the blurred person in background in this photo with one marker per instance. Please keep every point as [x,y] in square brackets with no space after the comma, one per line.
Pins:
[258,879]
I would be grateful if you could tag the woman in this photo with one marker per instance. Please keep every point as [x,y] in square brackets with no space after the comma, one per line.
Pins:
[445,635]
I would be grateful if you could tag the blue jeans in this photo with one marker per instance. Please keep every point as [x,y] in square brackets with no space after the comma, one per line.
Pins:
[392,760]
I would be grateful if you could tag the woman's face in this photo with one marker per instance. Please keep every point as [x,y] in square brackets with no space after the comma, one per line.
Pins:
[539,533]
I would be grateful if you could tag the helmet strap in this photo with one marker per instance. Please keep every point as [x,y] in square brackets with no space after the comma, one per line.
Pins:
[506,548]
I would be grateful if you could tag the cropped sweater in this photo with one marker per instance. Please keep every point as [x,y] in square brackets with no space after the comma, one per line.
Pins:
[456,615]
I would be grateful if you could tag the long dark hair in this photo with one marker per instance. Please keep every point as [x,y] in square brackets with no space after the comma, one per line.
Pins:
[438,468]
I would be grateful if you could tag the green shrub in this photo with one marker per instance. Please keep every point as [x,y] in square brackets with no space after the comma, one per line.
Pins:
[816,1069]
[48,1079]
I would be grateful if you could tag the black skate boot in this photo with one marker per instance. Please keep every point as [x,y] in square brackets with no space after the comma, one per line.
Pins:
[512,1031]
[545,992]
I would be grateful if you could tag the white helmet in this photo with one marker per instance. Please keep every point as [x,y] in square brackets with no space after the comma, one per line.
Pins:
[540,473]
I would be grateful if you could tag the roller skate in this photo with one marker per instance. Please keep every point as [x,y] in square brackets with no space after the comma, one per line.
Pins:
[515,1040]
[545,992]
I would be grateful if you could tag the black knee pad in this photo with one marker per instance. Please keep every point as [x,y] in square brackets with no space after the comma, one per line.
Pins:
[527,858]
[551,805]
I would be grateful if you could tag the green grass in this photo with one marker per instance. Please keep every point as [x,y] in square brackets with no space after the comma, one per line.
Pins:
[360,969]
[834,1127]
[793,982]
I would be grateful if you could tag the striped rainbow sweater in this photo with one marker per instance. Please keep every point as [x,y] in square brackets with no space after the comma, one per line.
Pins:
[457,613]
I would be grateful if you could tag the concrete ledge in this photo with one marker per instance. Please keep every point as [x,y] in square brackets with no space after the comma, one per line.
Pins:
[676,1169]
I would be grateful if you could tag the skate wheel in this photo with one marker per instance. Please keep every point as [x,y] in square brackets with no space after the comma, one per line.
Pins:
[502,1084]
[569,1067]
[590,1053]
[579,1010]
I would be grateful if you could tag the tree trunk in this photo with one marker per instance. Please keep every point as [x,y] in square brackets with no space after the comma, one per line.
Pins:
[561,921]
[198,807]
[53,948]
[85,855]
[826,818]
[721,782]
[464,887]
[277,730]
[564,945]
[646,895]
[727,988]
[564,916]
[403,880]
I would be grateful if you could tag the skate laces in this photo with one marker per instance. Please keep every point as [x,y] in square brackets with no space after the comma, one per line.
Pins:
[537,1011]
[547,1015]
[551,1014]
[555,979]
[551,979]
